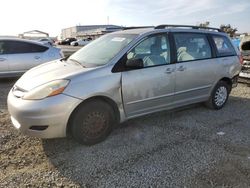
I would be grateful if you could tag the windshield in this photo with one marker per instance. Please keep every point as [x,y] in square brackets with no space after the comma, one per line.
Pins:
[102,50]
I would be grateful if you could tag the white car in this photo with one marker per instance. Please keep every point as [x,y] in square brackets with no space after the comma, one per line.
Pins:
[19,55]
[46,41]
[80,42]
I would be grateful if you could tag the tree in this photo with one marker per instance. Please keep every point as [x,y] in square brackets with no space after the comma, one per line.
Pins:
[228,29]
[205,24]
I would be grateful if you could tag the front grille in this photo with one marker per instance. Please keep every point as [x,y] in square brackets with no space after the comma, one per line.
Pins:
[39,127]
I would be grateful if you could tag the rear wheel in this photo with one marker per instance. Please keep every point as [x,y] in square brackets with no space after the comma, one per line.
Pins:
[92,122]
[219,96]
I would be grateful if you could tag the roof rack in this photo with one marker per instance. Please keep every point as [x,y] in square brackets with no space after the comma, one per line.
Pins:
[188,26]
[137,27]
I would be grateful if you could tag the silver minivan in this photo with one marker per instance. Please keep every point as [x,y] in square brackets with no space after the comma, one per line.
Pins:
[123,75]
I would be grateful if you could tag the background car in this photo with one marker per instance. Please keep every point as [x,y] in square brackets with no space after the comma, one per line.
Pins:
[47,41]
[19,55]
[245,51]
[67,41]
[81,42]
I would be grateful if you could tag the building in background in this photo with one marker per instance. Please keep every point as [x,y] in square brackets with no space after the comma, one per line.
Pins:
[34,34]
[88,31]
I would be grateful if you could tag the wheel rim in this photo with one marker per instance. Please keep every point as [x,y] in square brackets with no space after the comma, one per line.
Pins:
[220,96]
[94,124]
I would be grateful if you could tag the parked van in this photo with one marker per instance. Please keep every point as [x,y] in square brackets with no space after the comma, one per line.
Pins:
[123,75]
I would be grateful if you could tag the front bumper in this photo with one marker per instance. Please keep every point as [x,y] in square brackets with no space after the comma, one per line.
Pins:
[46,118]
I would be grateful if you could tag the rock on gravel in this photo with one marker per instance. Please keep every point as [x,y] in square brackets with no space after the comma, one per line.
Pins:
[167,149]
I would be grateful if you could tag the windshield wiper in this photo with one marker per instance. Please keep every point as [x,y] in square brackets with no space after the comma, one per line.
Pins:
[64,59]
[76,62]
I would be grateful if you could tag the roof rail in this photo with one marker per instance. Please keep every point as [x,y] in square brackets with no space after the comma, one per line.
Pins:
[188,26]
[137,27]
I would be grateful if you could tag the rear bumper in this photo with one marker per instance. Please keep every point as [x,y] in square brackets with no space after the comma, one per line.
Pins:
[45,118]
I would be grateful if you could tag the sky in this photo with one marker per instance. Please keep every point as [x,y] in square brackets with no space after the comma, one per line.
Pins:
[18,16]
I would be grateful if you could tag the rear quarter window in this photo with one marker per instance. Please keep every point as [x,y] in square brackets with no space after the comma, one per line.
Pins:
[223,46]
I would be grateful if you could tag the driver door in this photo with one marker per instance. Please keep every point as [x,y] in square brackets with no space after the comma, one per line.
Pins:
[150,88]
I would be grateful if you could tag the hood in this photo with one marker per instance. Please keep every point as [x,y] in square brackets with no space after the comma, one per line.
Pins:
[47,72]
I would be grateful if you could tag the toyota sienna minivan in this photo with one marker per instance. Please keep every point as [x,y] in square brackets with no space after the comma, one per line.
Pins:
[123,75]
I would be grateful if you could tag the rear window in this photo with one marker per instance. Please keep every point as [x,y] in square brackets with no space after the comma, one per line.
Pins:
[18,47]
[245,46]
[223,46]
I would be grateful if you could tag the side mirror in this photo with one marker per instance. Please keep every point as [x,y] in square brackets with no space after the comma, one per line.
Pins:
[134,63]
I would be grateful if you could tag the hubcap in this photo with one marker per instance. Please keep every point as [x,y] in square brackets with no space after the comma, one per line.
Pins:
[94,124]
[220,96]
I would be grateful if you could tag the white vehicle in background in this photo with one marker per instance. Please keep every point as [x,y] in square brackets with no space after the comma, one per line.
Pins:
[81,42]
[19,55]
[245,51]
[46,41]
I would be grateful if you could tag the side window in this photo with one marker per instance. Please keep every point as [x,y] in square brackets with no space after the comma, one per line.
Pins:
[223,46]
[191,46]
[17,47]
[38,48]
[2,48]
[153,51]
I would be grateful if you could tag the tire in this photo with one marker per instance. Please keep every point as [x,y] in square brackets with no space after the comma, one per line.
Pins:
[219,96]
[92,122]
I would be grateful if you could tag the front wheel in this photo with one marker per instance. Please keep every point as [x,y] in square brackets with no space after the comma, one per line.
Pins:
[92,122]
[219,96]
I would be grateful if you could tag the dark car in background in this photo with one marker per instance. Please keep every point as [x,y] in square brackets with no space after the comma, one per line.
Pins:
[67,41]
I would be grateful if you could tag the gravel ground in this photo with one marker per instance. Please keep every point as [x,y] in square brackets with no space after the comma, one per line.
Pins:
[193,147]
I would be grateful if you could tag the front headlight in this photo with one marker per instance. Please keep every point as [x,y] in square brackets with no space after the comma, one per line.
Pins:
[46,90]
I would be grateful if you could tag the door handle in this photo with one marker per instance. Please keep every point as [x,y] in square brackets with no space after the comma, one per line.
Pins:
[2,59]
[169,71]
[37,57]
[181,68]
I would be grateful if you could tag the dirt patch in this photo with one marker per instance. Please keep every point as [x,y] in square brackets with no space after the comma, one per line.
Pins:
[227,173]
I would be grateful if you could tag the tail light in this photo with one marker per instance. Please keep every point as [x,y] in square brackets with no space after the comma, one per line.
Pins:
[241,59]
